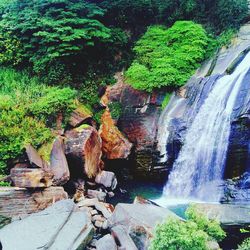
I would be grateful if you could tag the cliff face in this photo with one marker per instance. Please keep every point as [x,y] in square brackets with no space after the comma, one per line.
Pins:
[138,121]
[196,90]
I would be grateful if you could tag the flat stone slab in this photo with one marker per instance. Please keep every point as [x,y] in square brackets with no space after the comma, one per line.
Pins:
[59,227]
[226,214]
[20,202]
[141,214]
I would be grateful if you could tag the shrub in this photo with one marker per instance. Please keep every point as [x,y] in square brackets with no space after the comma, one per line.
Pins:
[167,57]
[28,110]
[193,234]
[245,245]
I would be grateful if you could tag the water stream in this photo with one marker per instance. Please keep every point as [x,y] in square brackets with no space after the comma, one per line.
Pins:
[199,168]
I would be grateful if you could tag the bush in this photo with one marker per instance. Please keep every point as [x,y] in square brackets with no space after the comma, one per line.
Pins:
[167,57]
[245,245]
[28,111]
[193,234]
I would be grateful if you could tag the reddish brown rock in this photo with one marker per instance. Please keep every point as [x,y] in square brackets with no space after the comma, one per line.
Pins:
[83,149]
[79,116]
[21,201]
[139,120]
[58,163]
[35,159]
[31,177]
[114,143]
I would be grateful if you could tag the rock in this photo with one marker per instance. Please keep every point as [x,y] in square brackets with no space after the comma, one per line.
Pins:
[122,237]
[102,208]
[35,159]
[79,116]
[101,196]
[139,220]
[83,151]
[88,202]
[213,245]
[31,177]
[227,215]
[138,121]
[107,179]
[114,144]
[58,163]
[98,217]
[98,224]
[21,202]
[60,226]
[107,242]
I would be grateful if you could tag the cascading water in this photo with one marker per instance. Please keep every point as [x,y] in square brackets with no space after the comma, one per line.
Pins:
[174,109]
[200,165]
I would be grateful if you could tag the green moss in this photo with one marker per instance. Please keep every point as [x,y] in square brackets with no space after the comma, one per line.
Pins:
[45,150]
[115,109]
[82,127]
[166,100]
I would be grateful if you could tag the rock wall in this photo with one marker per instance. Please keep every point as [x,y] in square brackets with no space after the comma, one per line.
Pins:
[196,90]
[138,121]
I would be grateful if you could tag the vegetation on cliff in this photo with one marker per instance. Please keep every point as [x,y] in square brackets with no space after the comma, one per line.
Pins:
[28,112]
[167,57]
[52,51]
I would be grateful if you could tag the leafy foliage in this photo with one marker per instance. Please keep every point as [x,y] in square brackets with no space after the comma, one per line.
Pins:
[115,109]
[167,57]
[245,245]
[27,112]
[190,235]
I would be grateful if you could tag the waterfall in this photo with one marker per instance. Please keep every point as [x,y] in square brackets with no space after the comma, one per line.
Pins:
[199,167]
[174,109]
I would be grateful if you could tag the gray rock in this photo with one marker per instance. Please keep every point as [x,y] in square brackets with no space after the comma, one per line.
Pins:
[121,235]
[140,214]
[139,221]
[106,243]
[60,226]
[107,179]
[227,215]
[101,196]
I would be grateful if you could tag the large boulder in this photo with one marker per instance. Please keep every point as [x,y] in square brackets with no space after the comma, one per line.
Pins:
[83,149]
[138,121]
[20,202]
[114,144]
[58,163]
[139,220]
[227,214]
[31,177]
[61,226]
[79,116]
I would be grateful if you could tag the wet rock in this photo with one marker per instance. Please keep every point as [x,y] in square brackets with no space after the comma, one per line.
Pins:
[122,237]
[4,221]
[79,116]
[107,179]
[58,163]
[107,242]
[114,144]
[58,227]
[31,177]
[83,151]
[20,202]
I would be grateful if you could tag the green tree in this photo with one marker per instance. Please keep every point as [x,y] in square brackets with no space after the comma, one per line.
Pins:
[167,57]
